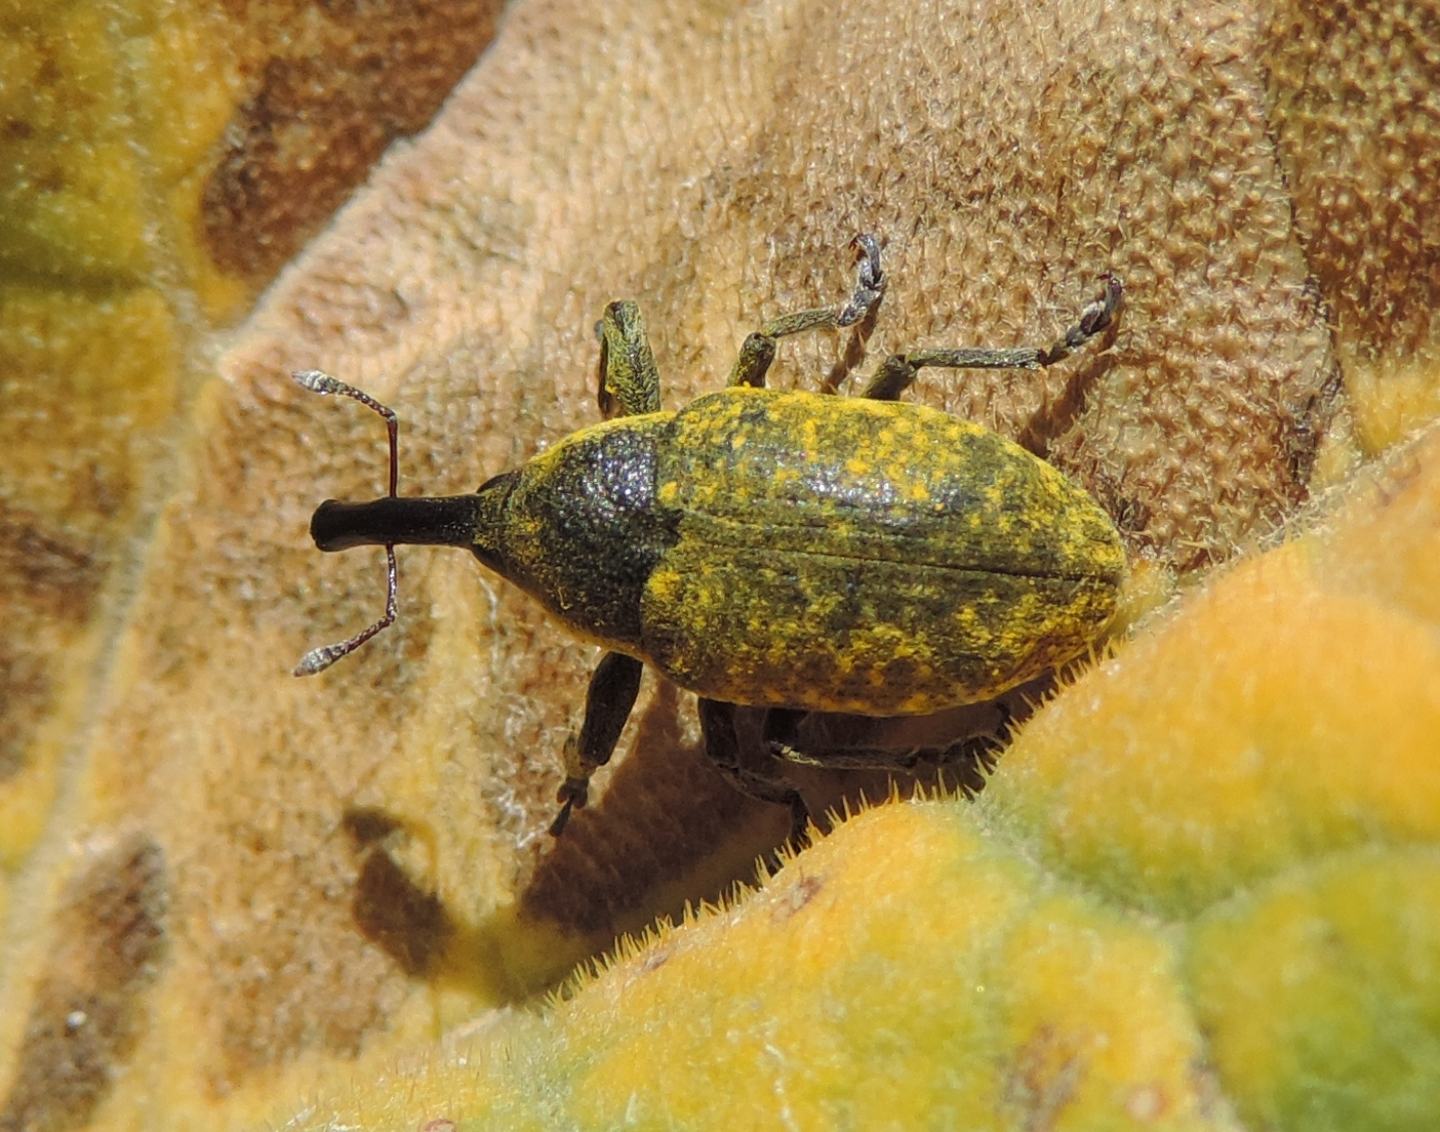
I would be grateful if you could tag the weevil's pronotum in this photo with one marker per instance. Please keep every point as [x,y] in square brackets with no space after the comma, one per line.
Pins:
[796,551]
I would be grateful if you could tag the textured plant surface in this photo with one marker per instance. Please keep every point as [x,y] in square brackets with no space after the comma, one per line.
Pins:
[1202,888]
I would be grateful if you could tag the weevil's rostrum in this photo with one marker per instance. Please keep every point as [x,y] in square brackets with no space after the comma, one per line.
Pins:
[786,550]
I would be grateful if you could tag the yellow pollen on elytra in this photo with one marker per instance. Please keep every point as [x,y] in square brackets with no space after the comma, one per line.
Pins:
[664,584]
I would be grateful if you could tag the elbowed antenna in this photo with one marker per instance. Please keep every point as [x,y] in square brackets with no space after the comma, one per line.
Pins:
[319,659]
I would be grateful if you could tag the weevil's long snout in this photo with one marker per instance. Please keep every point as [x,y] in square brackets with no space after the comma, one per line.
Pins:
[438,521]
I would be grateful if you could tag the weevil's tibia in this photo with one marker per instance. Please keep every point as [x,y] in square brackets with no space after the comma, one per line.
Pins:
[758,350]
[613,687]
[898,371]
[321,658]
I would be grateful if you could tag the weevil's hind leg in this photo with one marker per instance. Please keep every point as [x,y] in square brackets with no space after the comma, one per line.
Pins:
[898,371]
[627,380]
[613,688]
[722,747]
[970,759]
[758,350]
[972,748]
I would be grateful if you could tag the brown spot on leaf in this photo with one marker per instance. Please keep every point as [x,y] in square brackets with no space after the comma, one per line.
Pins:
[801,893]
[1042,1080]
[1353,116]
[88,1010]
[55,571]
[49,580]
[369,824]
[26,691]
[333,87]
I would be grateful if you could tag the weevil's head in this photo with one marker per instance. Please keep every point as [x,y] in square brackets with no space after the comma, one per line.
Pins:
[578,527]
[474,522]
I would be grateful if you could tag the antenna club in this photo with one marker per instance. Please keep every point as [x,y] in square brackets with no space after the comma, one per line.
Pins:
[317,381]
[318,660]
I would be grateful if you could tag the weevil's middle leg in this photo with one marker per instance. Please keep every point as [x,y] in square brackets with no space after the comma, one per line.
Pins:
[722,747]
[898,371]
[627,381]
[758,350]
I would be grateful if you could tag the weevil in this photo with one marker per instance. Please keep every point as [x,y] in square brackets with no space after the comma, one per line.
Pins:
[792,551]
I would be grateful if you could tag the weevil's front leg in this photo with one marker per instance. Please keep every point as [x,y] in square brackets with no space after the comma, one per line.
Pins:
[899,370]
[627,380]
[758,350]
[613,687]
[722,747]
[627,383]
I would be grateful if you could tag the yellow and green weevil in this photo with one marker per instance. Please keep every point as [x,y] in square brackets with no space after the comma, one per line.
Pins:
[793,551]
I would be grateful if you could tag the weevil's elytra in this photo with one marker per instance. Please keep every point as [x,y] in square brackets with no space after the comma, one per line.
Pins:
[787,550]
[895,561]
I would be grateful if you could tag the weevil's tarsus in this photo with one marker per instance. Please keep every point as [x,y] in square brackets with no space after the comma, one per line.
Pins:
[898,371]
[758,350]
[572,796]
[321,658]
[869,281]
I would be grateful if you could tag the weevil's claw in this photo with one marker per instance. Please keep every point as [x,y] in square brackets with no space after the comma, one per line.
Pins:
[1101,312]
[571,796]
[871,274]
[1097,316]
[562,819]
[869,281]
